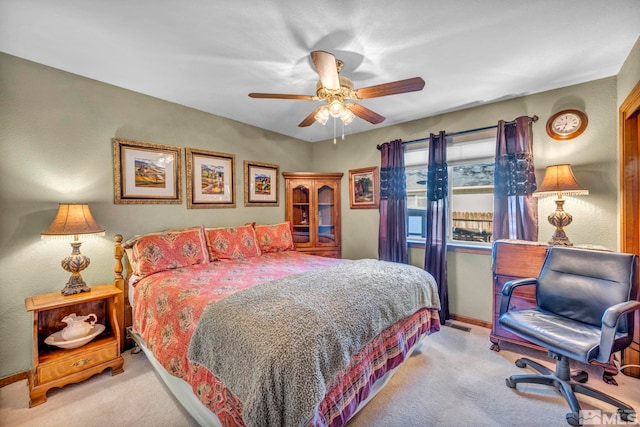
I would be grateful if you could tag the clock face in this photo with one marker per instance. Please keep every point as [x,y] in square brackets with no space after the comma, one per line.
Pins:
[566,124]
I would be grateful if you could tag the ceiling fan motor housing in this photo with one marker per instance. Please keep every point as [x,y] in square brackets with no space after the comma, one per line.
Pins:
[345,91]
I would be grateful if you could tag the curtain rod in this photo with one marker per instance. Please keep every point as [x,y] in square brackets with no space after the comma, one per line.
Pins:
[533,119]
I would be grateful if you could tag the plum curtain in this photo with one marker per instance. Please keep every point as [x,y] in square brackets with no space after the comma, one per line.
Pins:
[515,210]
[435,261]
[392,234]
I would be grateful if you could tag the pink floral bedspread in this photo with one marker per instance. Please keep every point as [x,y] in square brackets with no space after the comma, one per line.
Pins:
[167,306]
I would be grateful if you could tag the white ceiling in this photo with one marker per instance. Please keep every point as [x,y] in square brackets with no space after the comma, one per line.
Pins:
[209,54]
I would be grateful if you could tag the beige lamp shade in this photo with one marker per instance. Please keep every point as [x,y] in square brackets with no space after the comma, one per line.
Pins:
[73,219]
[559,179]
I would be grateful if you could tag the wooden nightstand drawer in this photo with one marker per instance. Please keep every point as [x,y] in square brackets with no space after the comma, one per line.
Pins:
[518,260]
[76,362]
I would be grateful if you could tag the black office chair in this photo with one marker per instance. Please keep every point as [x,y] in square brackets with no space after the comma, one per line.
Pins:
[585,304]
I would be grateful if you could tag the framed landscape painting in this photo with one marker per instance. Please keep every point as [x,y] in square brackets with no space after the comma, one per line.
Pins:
[260,184]
[210,179]
[364,188]
[146,173]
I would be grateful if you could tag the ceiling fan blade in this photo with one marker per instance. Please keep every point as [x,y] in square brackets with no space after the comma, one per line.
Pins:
[281,96]
[308,121]
[365,114]
[401,86]
[326,67]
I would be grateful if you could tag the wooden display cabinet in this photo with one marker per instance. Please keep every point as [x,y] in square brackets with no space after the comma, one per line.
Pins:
[57,367]
[313,209]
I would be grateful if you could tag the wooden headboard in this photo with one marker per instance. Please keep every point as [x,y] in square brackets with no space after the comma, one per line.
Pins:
[119,281]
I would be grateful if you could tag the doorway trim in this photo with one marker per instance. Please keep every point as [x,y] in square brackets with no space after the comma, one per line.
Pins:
[630,173]
[630,201]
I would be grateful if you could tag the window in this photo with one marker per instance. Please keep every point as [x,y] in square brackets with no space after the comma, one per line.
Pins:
[470,160]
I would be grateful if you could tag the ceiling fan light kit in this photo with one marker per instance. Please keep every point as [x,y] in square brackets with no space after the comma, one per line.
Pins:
[334,90]
[322,116]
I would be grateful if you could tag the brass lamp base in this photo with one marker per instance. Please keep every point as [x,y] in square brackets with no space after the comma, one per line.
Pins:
[75,285]
[75,263]
[560,219]
[559,238]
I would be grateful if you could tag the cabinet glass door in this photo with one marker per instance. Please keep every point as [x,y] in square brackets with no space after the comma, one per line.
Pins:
[300,214]
[326,215]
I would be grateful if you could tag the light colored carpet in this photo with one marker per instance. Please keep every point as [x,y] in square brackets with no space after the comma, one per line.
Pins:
[454,380]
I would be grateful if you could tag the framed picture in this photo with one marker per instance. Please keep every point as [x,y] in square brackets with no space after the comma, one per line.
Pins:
[260,184]
[210,179]
[146,173]
[364,188]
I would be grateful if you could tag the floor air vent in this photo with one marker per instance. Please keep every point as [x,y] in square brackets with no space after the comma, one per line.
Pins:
[456,326]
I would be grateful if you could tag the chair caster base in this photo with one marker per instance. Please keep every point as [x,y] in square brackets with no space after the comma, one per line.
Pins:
[568,385]
[608,378]
[573,420]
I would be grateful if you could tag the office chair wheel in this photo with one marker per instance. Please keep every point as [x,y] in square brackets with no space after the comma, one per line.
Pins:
[510,383]
[626,415]
[580,377]
[573,420]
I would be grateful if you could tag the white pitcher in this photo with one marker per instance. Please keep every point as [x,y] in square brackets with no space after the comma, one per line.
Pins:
[77,326]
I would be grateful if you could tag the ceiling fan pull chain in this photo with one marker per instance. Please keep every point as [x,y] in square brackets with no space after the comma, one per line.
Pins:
[334,131]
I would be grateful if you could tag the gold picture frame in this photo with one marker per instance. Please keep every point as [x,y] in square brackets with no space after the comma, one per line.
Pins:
[364,188]
[210,179]
[261,184]
[146,173]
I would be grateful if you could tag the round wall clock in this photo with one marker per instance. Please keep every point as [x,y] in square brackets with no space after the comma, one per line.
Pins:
[566,124]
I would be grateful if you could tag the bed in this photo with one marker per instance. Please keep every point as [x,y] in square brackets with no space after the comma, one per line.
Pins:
[245,330]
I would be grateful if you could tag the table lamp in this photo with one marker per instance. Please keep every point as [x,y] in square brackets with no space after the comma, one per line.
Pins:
[559,180]
[73,219]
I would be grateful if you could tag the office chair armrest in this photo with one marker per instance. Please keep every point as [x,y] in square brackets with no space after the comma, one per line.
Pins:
[612,314]
[509,287]
[610,320]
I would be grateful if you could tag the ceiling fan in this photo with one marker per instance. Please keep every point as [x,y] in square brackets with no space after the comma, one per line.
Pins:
[335,90]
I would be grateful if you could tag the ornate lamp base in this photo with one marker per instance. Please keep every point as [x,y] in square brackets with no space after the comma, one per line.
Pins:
[75,263]
[75,285]
[560,219]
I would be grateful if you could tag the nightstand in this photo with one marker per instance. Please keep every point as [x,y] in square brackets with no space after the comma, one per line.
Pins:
[57,367]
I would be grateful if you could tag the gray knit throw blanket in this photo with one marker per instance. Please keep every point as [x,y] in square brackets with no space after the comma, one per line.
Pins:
[278,344]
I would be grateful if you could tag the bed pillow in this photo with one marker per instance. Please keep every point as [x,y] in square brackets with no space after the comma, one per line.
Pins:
[232,242]
[275,237]
[166,250]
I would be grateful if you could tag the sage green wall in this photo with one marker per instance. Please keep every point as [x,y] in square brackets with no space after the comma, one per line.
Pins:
[629,75]
[56,130]
[593,157]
